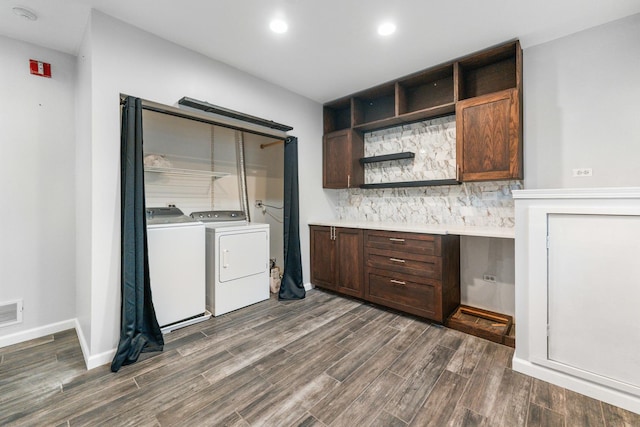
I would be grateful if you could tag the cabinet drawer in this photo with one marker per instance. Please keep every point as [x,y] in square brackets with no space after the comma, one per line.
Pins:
[404,292]
[405,262]
[426,244]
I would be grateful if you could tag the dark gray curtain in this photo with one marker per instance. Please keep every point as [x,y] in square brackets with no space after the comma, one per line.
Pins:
[291,286]
[139,329]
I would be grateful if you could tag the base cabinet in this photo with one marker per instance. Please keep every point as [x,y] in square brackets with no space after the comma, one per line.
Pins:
[336,259]
[411,272]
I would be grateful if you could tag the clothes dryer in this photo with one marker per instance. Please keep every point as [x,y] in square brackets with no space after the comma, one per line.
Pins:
[237,258]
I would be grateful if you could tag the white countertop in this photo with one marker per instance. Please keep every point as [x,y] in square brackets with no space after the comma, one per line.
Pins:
[461,230]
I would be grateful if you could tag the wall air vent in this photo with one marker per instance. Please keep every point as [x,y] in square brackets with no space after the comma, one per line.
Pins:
[10,312]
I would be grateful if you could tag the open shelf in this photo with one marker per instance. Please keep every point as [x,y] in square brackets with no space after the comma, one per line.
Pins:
[430,183]
[415,116]
[425,90]
[490,71]
[185,172]
[337,115]
[374,104]
[387,157]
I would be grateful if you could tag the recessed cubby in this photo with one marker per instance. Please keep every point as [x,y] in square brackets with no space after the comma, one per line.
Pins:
[374,105]
[427,89]
[490,71]
[337,115]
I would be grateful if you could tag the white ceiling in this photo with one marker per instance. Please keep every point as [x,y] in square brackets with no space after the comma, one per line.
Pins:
[332,48]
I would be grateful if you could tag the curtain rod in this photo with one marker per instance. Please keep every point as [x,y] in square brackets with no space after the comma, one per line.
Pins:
[186,115]
[210,108]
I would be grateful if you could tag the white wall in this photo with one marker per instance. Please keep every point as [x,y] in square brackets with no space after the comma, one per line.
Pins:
[485,255]
[37,219]
[128,60]
[265,181]
[83,191]
[581,108]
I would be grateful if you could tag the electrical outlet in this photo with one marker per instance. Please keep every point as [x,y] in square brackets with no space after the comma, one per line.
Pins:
[489,278]
[171,204]
[258,203]
[580,172]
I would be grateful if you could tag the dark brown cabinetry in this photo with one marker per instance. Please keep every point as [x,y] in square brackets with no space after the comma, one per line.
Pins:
[415,273]
[412,272]
[341,155]
[485,88]
[488,137]
[489,115]
[336,259]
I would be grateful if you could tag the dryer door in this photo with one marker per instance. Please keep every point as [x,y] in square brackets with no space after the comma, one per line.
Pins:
[243,254]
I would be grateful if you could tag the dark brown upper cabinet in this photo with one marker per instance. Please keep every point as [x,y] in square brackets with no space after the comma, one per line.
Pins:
[489,115]
[483,89]
[341,153]
[487,137]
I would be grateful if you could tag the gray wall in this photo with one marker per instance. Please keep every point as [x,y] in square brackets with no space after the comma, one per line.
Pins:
[37,178]
[581,108]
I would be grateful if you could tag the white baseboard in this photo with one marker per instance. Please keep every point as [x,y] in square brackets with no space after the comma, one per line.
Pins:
[38,332]
[92,360]
[606,394]
[308,286]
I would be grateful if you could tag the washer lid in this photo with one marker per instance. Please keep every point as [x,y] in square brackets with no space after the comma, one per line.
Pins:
[167,215]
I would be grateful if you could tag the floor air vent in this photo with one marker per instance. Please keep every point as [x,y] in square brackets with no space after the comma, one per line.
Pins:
[10,313]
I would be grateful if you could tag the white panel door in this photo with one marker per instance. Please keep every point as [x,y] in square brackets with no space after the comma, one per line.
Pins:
[594,294]
[243,254]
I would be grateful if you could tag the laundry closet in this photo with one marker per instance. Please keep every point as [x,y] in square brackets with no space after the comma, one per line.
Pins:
[231,183]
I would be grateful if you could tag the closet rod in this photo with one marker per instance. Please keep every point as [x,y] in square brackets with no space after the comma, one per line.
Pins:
[269,144]
[181,115]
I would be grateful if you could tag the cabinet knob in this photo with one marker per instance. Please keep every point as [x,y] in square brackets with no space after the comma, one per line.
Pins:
[395,239]
[396,260]
[398,282]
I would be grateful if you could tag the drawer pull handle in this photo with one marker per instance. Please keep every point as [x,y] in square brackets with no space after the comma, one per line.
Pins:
[395,239]
[396,260]
[398,282]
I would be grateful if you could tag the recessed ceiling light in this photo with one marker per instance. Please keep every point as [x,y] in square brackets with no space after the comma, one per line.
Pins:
[25,13]
[278,26]
[386,28]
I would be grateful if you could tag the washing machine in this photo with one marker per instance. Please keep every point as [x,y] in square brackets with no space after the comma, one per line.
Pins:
[237,259]
[177,267]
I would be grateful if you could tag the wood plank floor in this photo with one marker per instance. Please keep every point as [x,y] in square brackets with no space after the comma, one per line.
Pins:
[322,361]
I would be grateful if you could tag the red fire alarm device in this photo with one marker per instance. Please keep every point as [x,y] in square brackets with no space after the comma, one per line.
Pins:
[40,68]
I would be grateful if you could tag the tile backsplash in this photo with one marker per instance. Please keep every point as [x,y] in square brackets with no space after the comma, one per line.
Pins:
[433,142]
[483,204]
[487,204]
